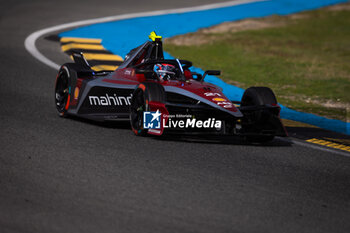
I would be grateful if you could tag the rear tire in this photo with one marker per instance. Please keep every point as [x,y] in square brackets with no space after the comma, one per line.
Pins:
[257,96]
[62,91]
[66,79]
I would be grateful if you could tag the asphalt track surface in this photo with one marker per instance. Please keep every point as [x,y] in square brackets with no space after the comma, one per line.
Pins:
[68,175]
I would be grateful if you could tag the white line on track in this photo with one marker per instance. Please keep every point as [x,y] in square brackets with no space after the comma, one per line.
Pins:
[30,41]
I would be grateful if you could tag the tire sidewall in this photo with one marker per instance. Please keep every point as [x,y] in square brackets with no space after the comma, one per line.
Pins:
[63,69]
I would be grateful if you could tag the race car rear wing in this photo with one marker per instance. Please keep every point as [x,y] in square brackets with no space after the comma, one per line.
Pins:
[84,66]
[79,59]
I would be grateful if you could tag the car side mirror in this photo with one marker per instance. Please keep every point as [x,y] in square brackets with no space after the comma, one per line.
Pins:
[196,76]
[211,72]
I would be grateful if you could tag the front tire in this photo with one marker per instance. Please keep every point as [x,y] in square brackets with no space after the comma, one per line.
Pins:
[142,95]
[137,108]
[258,96]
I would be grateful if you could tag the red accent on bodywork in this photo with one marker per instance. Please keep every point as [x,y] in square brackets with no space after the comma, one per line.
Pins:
[140,77]
[142,87]
[153,107]
[188,74]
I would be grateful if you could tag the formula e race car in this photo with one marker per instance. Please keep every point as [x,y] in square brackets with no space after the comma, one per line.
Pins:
[159,95]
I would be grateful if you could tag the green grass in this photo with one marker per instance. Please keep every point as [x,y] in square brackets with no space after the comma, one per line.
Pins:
[306,61]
